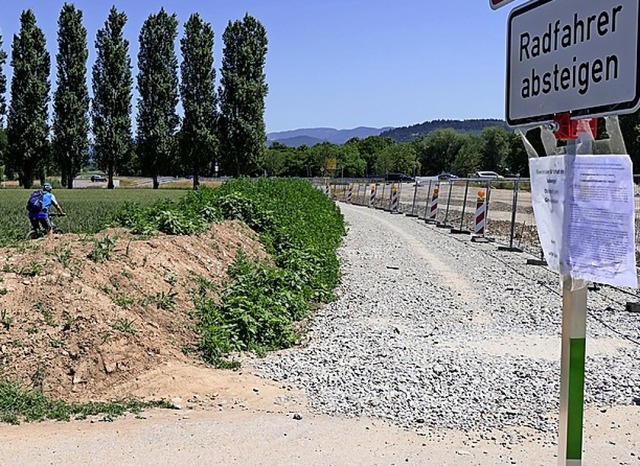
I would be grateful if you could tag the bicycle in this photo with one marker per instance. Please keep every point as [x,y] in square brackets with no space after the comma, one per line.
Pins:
[40,232]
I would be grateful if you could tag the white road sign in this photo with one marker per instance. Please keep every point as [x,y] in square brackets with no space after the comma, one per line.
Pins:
[578,56]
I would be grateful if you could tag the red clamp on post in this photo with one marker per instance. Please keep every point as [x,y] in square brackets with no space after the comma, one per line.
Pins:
[566,128]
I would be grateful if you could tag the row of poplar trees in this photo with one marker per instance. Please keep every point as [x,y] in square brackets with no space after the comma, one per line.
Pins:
[225,124]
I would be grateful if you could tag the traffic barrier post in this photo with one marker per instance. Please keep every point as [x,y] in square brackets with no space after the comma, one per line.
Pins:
[395,199]
[349,193]
[480,222]
[372,196]
[433,207]
[427,200]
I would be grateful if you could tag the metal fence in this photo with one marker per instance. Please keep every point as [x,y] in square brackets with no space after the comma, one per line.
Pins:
[509,213]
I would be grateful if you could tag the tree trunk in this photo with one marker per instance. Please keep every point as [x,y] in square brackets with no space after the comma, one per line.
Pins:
[156,183]
[69,182]
[196,182]
[26,182]
[110,184]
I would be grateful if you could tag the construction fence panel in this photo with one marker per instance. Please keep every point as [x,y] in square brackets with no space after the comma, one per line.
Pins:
[424,199]
[460,214]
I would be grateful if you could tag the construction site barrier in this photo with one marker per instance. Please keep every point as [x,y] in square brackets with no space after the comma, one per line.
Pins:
[395,200]
[433,207]
[481,210]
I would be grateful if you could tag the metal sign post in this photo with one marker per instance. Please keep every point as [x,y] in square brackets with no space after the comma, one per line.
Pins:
[572,361]
[574,318]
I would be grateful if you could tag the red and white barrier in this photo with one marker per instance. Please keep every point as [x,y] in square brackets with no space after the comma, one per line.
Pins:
[372,195]
[433,207]
[481,214]
[395,200]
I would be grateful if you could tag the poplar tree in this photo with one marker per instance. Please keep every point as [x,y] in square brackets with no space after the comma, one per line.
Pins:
[3,108]
[242,96]
[198,141]
[112,88]
[158,88]
[71,98]
[28,113]
[3,86]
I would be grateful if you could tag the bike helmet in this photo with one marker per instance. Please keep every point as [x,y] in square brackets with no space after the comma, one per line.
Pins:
[47,187]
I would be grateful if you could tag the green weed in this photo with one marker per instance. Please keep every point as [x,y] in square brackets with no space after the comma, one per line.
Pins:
[124,302]
[124,325]
[5,319]
[19,404]
[102,249]
[63,255]
[46,314]
[162,300]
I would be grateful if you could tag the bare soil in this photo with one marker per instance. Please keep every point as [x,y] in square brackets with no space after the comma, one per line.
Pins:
[96,318]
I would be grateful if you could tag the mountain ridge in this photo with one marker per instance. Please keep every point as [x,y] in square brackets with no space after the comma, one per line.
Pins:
[313,136]
[321,134]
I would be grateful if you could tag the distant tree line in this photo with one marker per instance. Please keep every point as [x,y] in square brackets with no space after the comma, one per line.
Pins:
[442,151]
[410,133]
[222,126]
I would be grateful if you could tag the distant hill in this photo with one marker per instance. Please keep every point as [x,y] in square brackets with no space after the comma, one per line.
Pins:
[313,136]
[409,133]
[297,141]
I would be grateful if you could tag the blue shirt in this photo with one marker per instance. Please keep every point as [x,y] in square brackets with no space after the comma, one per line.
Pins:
[48,199]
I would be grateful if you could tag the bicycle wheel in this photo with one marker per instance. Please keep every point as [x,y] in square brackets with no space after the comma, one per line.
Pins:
[33,234]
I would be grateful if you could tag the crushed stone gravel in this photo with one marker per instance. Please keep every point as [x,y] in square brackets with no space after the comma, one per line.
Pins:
[430,330]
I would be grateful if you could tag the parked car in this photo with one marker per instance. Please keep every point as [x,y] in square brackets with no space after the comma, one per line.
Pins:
[447,176]
[95,178]
[398,177]
[488,175]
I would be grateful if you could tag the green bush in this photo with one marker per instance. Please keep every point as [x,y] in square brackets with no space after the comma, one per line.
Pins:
[299,226]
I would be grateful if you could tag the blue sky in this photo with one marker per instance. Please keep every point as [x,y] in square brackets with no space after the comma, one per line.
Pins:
[337,63]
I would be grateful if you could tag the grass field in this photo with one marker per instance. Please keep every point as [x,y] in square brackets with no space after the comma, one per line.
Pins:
[88,210]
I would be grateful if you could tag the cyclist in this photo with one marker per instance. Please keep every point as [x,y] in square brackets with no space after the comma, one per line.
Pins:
[41,218]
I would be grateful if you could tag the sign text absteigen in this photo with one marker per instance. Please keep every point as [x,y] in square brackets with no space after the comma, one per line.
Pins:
[579,74]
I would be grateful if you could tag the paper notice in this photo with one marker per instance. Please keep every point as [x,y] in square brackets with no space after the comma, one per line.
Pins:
[584,210]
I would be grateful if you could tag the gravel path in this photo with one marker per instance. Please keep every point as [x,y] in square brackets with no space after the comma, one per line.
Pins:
[432,331]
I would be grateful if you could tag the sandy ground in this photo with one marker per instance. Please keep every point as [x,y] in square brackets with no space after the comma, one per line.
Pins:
[240,419]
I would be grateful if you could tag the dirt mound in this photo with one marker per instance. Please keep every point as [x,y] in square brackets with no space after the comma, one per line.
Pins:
[86,317]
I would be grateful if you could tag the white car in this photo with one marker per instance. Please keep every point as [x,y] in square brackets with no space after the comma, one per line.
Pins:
[487,175]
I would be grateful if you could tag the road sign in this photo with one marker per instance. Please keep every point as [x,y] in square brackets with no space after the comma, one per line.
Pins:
[572,56]
[495,4]
[331,164]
